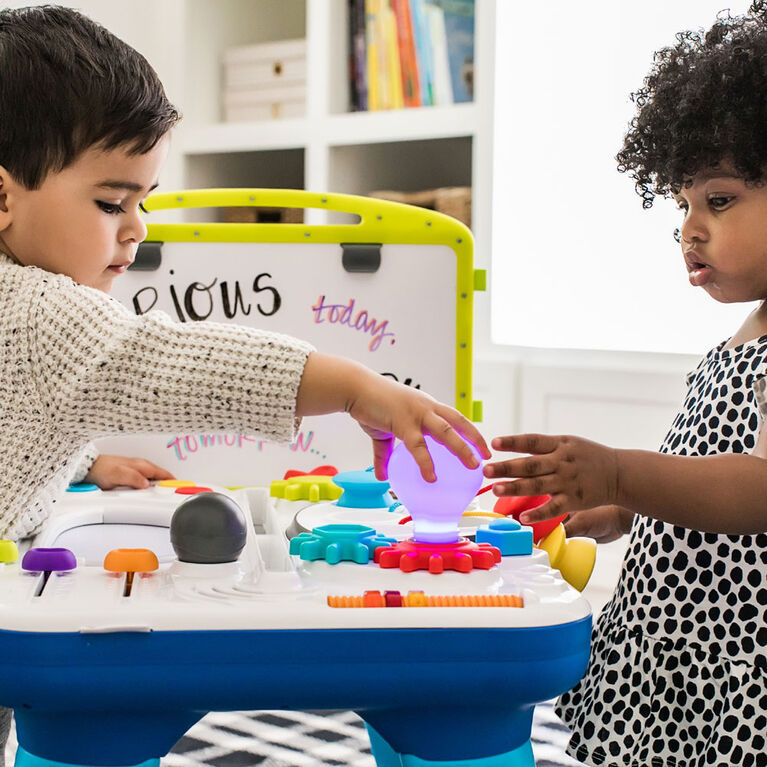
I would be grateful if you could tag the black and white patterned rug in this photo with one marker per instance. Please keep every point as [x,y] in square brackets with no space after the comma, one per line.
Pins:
[312,739]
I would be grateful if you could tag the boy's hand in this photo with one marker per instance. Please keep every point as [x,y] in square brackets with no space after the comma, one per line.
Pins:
[576,473]
[386,409]
[604,523]
[110,471]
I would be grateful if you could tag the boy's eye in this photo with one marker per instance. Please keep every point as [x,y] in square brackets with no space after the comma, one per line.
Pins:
[142,208]
[109,207]
[720,201]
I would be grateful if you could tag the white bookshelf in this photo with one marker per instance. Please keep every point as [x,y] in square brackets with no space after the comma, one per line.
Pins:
[330,149]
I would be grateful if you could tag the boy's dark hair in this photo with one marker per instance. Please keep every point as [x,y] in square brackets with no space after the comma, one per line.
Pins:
[67,84]
[704,101]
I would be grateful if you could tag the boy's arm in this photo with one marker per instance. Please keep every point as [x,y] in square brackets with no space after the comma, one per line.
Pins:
[100,370]
[85,462]
[717,494]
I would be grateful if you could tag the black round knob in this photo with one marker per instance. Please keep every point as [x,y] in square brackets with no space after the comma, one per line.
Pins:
[208,528]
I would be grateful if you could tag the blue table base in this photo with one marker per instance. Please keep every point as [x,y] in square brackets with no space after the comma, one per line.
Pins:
[385,756]
[429,696]
[25,759]
[383,753]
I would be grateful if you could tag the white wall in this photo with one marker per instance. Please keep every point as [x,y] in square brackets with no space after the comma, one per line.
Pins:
[577,262]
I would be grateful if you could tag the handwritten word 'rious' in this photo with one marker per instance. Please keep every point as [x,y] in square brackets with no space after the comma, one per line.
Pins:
[344,314]
[197,301]
[191,443]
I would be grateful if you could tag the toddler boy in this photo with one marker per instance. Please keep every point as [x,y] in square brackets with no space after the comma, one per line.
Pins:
[84,133]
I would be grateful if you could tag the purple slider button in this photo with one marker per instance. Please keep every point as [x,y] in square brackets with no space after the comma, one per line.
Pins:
[48,560]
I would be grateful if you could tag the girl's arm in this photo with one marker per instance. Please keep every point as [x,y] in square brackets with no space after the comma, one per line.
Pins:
[717,494]
[713,494]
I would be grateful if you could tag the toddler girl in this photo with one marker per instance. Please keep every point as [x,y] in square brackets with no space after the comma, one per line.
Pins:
[678,669]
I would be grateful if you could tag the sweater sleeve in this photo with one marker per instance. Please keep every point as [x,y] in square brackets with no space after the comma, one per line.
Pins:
[101,370]
[84,462]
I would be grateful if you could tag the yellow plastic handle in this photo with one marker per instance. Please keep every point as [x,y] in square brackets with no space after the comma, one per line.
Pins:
[372,212]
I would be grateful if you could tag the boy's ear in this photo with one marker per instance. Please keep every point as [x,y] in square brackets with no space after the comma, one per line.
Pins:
[6,198]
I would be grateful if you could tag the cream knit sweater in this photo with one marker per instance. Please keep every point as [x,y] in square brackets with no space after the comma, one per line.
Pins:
[76,365]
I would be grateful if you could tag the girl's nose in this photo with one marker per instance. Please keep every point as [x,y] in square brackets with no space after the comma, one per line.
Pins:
[693,228]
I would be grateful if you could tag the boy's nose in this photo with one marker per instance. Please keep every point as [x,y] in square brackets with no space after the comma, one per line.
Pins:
[134,230]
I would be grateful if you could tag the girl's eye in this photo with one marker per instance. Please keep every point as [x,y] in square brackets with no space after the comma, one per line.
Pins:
[719,202]
[109,207]
[142,208]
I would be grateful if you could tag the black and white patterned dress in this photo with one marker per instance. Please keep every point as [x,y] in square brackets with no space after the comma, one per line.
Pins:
[678,671]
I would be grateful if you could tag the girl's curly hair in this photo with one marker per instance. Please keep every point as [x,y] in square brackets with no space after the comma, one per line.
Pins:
[704,101]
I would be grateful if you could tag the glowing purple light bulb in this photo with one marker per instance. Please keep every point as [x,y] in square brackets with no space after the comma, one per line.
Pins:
[435,507]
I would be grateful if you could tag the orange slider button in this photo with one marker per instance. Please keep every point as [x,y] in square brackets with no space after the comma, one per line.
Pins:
[130,561]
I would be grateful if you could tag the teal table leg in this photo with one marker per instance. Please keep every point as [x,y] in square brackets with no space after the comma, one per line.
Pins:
[25,759]
[385,756]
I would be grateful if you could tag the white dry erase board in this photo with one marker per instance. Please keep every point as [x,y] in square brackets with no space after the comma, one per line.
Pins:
[393,292]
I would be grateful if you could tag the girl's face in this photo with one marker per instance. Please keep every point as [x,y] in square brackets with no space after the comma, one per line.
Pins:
[724,235]
[84,221]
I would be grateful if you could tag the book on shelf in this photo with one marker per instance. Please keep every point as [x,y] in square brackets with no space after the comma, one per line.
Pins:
[357,56]
[409,53]
[423,47]
[459,33]
[443,89]
[411,92]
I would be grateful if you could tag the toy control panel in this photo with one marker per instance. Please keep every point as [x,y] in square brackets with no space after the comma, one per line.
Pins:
[304,554]
[155,606]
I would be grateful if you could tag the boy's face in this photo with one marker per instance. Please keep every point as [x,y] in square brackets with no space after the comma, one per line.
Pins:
[724,235]
[84,221]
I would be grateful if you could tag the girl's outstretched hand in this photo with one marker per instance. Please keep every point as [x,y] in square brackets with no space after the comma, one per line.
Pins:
[576,473]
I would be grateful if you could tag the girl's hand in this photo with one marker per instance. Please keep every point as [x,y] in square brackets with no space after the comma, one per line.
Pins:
[110,471]
[576,473]
[604,523]
[387,410]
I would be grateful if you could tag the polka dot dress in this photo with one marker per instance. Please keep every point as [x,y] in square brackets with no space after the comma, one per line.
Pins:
[678,671]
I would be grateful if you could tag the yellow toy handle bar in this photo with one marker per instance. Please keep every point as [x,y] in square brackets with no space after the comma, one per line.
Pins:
[380,220]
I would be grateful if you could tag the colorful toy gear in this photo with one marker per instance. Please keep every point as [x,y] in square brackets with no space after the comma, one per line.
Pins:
[463,556]
[306,487]
[334,543]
